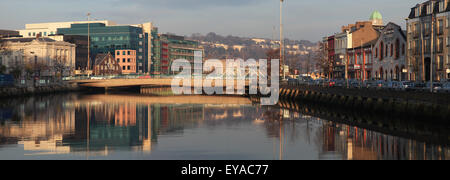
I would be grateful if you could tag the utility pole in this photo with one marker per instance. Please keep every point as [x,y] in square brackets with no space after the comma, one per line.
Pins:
[282,40]
[89,44]
[432,53]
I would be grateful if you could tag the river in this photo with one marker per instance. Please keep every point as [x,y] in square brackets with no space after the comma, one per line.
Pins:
[132,126]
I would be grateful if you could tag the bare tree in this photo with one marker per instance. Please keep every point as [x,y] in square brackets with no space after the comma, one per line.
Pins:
[321,59]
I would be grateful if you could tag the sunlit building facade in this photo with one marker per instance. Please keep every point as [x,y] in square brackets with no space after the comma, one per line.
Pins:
[428,41]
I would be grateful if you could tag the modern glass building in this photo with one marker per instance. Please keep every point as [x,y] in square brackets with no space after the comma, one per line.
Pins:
[106,39]
[170,48]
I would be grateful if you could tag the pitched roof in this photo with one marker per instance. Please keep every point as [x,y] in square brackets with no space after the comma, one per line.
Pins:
[101,57]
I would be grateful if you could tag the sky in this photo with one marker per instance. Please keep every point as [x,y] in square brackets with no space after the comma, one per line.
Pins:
[303,19]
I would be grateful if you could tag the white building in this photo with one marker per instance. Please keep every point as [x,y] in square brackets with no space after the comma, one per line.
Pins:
[55,55]
[390,54]
[343,41]
[47,29]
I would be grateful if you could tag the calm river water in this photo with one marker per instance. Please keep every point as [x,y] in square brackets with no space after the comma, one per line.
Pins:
[74,126]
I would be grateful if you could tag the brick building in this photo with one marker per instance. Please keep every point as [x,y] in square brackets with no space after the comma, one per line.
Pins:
[105,64]
[127,61]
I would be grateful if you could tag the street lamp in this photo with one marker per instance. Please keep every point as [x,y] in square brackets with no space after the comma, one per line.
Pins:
[281,39]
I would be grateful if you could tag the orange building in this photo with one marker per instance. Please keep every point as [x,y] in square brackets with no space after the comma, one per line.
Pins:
[127,61]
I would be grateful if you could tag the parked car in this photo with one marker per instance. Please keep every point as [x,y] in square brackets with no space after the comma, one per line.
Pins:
[436,86]
[392,85]
[341,83]
[292,81]
[446,87]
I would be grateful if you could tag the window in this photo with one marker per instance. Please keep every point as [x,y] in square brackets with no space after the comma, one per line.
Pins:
[381,50]
[45,33]
[129,52]
[29,34]
[440,26]
[129,67]
[34,34]
[386,51]
[129,60]
[123,60]
[440,62]
[403,49]
[123,67]
[376,52]
[392,50]
[118,52]
[124,53]
[118,60]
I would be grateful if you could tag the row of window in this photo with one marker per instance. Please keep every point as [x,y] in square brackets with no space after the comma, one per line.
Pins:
[123,53]
[440,62]
[393,48]
[33,34]
[110,38]
[127,60]
[128,68]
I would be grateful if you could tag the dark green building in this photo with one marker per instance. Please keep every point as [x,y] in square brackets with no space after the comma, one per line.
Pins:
[106,39]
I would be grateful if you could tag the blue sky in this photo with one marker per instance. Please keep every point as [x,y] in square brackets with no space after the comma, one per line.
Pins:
[304,19]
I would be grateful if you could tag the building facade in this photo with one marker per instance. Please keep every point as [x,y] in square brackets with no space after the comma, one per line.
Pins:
[428,43]
[390,54]
[11,59]
[48,29]
[81,42]
[106,65]
[174,47]
[127,61]
[108,39]
[343,42]
[51,57]
[360,56]
[350,52]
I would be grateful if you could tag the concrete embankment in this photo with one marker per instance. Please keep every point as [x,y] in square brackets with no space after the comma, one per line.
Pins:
[425,105]
[7,92]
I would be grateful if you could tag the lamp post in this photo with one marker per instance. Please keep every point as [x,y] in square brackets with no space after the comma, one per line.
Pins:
[432,53]
[89,45]
[282,40]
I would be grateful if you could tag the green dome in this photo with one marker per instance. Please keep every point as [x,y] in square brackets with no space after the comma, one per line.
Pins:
[376,15]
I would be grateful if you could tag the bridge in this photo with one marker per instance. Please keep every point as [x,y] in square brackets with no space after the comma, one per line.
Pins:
[117,83]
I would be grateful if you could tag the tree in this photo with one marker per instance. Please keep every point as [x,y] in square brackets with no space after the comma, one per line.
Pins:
[321,59]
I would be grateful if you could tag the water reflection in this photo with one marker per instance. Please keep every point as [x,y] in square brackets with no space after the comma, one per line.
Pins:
[137,127]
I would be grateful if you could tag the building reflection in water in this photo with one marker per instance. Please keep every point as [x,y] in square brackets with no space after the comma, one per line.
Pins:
[341,141]
[96,125]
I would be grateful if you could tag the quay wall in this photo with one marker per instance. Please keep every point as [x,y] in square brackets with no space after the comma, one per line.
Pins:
[426,105]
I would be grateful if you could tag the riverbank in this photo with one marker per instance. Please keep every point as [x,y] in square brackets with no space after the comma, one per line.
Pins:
[28,91]
[429,107]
